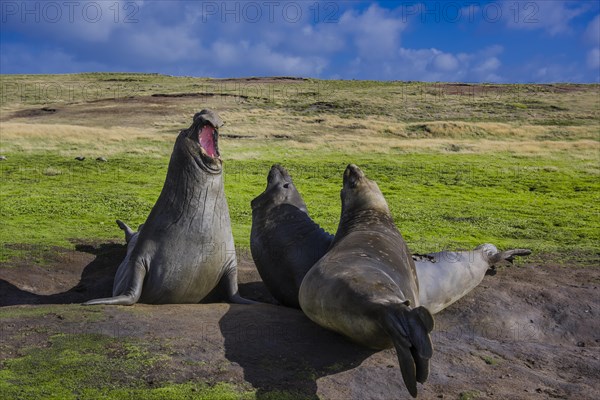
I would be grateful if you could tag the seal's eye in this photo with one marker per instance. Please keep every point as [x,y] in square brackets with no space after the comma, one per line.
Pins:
[287,185]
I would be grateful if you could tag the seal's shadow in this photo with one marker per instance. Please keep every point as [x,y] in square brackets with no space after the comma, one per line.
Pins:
[282,352]
[96,279]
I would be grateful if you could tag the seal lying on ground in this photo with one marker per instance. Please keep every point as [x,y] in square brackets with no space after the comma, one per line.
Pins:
[365,287]
[185,248]
[447,276]
[285,243]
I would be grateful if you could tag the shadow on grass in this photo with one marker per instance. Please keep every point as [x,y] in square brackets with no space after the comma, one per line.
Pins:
[96,279]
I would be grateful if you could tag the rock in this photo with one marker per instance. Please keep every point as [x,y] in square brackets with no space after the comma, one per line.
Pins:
[101,159]
[80,158]
[2,158]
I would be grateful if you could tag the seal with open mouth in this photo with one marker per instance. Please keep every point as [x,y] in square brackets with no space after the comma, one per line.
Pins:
[185,248]
[365,287]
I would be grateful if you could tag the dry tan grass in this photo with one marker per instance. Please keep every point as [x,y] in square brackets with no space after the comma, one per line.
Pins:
[273,130]
[72,139]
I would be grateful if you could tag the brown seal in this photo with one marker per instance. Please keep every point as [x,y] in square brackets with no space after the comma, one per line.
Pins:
[365,287]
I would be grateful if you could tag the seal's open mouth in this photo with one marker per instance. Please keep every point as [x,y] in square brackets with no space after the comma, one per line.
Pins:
[208,138]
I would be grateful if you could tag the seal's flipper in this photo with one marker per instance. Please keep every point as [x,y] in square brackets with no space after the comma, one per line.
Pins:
[230,284]
[128,231]
[409,331]
[132,293]
[407,367]
[123,300]
[421,366]
[508,255]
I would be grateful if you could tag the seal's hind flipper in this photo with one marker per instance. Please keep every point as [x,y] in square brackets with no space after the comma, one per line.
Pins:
[421,366]
[409,331]
[508,255]
[128,231]
[407,367]
[131,295]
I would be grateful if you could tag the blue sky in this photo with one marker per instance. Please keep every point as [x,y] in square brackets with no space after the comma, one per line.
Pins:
[467,41]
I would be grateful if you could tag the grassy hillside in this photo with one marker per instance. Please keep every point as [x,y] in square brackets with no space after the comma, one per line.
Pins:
[515,165]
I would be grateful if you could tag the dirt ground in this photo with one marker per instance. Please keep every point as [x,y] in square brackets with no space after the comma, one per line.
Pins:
[529,332]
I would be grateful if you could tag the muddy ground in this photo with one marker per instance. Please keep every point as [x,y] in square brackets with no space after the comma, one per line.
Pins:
[529,332]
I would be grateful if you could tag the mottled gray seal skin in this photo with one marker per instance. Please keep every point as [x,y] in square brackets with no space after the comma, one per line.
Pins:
[285,242]
[185,248]
[447,276]
[365,287]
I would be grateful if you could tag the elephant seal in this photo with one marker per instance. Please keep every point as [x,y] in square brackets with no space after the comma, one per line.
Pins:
[447,276]
[285,242]
[365,287]
[185,248]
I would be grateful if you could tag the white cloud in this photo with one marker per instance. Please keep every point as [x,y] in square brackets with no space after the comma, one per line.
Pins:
[487,65]
[445,62]
[69,22]
[436,65]
[367,43]
[553,16]
[259,59]
[376,33]
[165,44]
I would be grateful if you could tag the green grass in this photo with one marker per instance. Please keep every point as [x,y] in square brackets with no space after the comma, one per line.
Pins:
[94,366]
[66,313]
[515,165]
[489,360]
[438,201]
[469,395]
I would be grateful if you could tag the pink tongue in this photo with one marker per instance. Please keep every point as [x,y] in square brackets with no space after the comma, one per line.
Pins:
[207,142]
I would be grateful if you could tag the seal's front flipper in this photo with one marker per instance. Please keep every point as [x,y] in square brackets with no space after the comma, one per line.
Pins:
[237,299]
[230,284]
[409,331]
[508,255]
[132,293]
[123,300]
[128,231]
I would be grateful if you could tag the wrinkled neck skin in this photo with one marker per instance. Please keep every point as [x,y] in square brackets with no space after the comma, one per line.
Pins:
[364,220]
[187,181]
